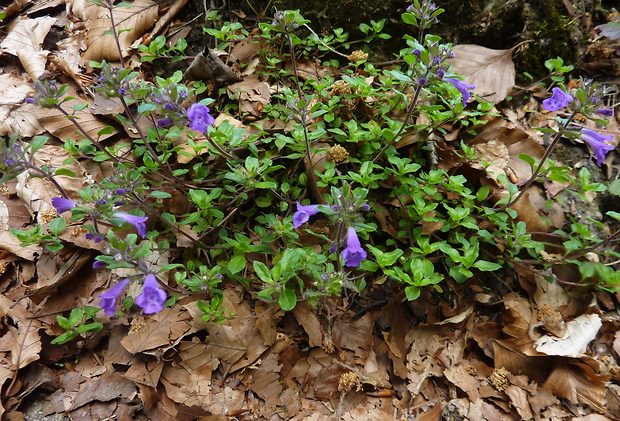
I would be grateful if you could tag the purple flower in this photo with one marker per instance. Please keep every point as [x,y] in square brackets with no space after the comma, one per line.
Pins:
[605,111]
[120,191]
[108,298]
[441,73]
[598,142]
[99,264]
[199,117]
[164,122]
[61,204]
[152,297]
[354,253]
[560,99]
[303,214]
[462,87]
[136,221]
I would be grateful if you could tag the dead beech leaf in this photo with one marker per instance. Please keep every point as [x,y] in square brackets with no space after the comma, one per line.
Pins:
[137,19]
[24,40]
[577,382]
[579,333]
[164,329]
[22,338]
[491,71]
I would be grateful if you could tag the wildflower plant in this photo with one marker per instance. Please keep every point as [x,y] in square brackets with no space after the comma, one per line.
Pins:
[324,207]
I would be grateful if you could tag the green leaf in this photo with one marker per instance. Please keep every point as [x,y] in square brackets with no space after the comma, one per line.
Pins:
[65,171]
[262,271]
[236,264]
[57,225]
[287,300]
[485,266]
[160,194]
[412,293]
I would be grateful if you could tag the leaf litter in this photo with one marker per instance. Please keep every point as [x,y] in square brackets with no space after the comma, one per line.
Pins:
[469,354]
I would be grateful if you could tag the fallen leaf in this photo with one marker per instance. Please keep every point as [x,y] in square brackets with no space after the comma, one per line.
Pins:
[25,39]
[492,72]
[132,21]
[579,333]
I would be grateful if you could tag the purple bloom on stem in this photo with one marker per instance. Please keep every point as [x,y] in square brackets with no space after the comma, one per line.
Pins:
[108,298]
[164,122]
[605,111]
[462,87]
[560,99]
[61,204]
[303,214]
[152,297]
[598,142]
[354,253]
[136,221]
[199,117]
[99,264]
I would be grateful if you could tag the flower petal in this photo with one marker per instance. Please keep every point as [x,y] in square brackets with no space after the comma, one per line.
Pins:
[108,298]
[152,297]
[61,204]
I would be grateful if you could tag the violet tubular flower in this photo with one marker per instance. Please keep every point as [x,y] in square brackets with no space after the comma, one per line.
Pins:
[62,205]
[559,100]
[152,297]
[108,298]
[599,144]
[462,87]
[303,214]
[137,221]
[199,117]
[354,253]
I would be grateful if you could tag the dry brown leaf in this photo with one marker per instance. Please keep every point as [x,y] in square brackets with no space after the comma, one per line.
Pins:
[24,40]
[163,329]
[306,316]
[21,338]
[145,372]
[577,382]
[492,72]
[461,377]
[252,94]
[518,398]
[105,388]
[63,128]
[134,21]
[354,335]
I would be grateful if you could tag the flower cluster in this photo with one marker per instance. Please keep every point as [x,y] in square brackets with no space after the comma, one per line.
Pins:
[101,206]
[353,254]
[587,103]
[114,82]
[199,118]
[169,105]
[48,93]
[151,300]
[13,159]
[599,144]
[425,13]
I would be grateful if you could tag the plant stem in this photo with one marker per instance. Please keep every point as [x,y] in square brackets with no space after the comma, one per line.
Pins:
[538,170]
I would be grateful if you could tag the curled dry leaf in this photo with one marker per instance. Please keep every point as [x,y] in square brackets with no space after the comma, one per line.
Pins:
[491,71]
[24,41]
[579,333]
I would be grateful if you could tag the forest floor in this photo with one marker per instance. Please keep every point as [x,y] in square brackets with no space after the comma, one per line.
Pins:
[509,346]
